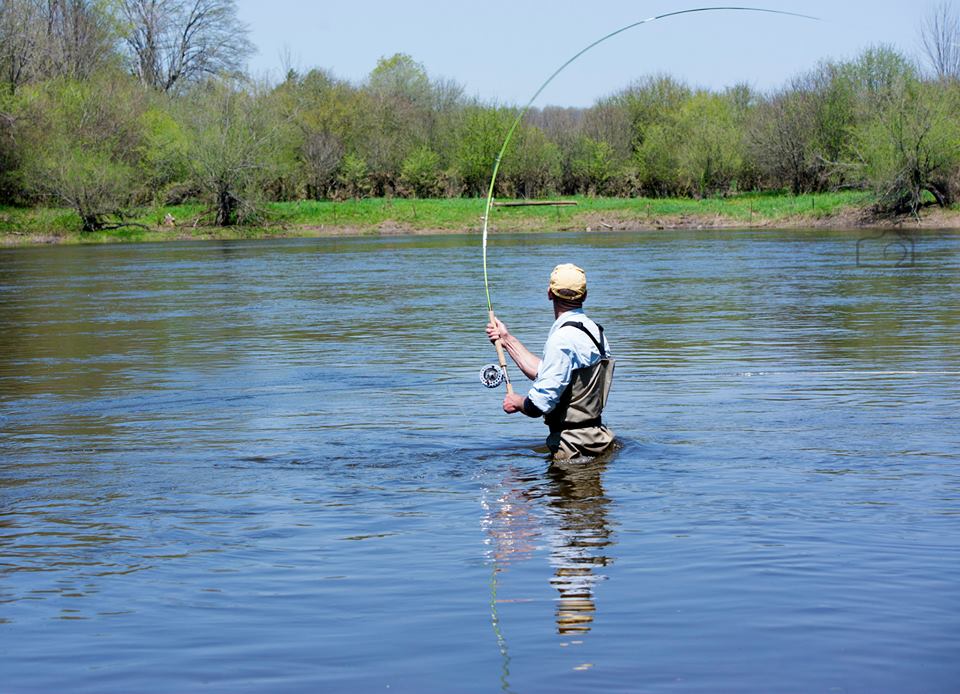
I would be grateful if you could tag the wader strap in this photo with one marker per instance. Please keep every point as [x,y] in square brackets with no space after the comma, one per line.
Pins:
[599,344]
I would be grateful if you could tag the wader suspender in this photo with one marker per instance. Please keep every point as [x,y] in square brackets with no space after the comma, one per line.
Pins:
[603,355]
[599,344]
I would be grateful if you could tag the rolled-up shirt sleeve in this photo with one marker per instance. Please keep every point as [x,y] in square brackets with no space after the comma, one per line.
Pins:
[554,375]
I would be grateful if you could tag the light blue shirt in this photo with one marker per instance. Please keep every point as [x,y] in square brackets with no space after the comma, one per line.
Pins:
[564,352]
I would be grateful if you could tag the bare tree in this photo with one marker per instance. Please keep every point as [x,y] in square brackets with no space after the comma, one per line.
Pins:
[19,41]
[321,153]
[79,38]
[940,37]
[53,38]
[172,42]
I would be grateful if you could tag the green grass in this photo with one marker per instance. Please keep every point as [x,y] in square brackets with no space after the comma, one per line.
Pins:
[309,218]
[466,213]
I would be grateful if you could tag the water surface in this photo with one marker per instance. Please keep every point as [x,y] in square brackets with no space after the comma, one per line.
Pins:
[270,467]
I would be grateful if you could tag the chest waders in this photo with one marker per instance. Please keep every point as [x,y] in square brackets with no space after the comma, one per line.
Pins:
[576,424]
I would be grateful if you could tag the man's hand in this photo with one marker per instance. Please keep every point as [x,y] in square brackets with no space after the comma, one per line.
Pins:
[513,402]
[497,330]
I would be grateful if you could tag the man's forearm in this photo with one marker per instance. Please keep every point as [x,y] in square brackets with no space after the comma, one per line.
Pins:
[527,361]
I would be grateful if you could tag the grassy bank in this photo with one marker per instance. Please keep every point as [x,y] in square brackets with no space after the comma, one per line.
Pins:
[25,226]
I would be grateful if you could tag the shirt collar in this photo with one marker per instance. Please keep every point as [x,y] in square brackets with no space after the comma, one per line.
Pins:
[572,314]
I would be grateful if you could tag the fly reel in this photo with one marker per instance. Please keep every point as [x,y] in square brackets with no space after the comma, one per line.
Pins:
[491,376]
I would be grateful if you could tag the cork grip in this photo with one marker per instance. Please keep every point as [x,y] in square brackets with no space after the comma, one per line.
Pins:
[502,358]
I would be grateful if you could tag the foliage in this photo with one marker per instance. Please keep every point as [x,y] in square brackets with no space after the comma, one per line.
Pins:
[531,165]
[709,149]
[912,146]
[592,166]
[480,134]
[79,144]
[162,155]
[353,176]
[421,172]
[235,148]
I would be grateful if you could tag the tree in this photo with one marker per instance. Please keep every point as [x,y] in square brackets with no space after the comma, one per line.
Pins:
[236,139]
[162,157]
[327,114]
[591,165]
[20,39]
[912,147]
[174,42]
[400,112]
[353,176]
[80,145]
[480,135]
[940,38]
[8,155]
[531,166]
[321,153]
[44,39]
[708,144]
[800,136]
[420,172]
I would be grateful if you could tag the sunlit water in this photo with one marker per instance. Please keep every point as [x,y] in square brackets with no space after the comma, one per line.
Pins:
[271,467]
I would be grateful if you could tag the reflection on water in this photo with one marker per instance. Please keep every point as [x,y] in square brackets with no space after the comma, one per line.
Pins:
[579,549]
[564,510]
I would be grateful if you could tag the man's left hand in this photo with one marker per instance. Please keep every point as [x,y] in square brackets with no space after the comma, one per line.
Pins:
[513,402]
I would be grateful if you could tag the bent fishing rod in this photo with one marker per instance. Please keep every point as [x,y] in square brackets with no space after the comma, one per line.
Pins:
[494,374]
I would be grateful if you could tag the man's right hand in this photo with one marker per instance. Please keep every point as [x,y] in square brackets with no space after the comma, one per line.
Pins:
[497,330]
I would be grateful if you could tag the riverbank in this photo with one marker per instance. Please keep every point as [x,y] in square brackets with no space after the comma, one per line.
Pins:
[396,216]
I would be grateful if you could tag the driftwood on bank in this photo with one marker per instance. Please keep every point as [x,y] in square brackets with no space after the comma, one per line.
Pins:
[537,203]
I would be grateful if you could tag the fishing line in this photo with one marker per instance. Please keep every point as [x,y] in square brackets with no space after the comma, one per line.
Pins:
[523,112]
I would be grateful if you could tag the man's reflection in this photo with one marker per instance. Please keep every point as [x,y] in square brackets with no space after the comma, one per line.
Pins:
[579,542]
[566,510]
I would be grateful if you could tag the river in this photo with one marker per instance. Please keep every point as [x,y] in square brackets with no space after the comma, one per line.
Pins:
[271,467]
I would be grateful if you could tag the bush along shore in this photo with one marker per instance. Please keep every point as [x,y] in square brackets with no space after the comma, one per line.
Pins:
[388,216]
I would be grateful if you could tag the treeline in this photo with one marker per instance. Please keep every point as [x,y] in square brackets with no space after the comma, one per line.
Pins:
[107,106]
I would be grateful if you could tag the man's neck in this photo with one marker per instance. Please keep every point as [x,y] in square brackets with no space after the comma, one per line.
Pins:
[559,309]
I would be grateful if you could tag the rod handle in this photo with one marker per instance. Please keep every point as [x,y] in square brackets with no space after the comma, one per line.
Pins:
[501,357]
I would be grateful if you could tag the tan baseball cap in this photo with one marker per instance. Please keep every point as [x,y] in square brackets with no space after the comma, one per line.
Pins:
[568,282]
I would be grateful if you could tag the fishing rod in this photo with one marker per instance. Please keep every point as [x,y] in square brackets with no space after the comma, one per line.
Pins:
[494,374]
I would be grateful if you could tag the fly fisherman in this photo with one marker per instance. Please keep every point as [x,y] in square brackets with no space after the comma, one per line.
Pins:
[572,381]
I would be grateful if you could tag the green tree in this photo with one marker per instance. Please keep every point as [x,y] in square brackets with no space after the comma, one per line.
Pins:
[162,154]
[708,142]
[236,140]
[911,146]
[420,172]
[800,137]
[400,112]
[328,119]
[480,135]
[81,141]
[592,166]
[531,167]
[353,176]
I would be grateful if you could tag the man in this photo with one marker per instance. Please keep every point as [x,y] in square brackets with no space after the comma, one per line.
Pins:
[572,381]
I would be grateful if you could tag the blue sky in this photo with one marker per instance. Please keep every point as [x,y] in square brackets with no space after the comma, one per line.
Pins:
[501,51]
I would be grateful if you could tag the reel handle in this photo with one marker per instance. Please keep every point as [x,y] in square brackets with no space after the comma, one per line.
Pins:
[502,357]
